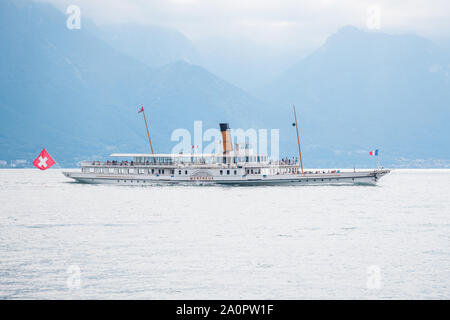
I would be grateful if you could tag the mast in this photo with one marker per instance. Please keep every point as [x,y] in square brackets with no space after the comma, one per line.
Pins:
[146,126]
[298,139]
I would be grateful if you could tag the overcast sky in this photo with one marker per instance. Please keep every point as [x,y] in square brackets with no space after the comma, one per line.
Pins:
[285,24]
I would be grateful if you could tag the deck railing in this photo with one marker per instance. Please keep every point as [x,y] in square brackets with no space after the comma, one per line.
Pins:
[184,164]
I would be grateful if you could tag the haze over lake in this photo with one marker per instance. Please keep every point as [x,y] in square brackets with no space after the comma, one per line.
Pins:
[63,240]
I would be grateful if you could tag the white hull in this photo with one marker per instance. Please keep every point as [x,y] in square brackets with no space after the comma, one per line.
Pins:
[359,177]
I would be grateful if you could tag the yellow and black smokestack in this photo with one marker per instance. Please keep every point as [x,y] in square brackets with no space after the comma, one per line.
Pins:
[226,137]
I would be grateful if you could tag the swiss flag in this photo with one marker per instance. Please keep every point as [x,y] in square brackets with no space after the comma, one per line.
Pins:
[43,161]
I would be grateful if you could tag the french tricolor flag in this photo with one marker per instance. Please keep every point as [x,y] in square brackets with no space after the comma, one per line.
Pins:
[374,152]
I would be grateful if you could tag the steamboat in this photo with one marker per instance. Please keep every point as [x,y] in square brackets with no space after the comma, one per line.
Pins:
[234,166]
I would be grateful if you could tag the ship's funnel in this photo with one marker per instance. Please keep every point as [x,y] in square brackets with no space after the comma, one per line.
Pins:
[226,137]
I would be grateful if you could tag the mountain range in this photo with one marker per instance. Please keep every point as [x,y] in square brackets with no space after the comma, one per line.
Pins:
[77,92]
[70,91]
[364,90]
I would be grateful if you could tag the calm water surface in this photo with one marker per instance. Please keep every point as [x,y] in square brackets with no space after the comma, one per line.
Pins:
[64,240]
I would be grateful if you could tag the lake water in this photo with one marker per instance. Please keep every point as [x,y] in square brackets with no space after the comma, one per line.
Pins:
[65,240]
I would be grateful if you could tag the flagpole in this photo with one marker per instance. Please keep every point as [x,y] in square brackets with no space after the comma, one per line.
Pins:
[378,159]
[148,133]
[298,139]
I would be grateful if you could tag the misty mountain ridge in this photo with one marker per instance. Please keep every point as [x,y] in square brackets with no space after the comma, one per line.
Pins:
[155,46]
[71,92]
[77,93]
[370,89]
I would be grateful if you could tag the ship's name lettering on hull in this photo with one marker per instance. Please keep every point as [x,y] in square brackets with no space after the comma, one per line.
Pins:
[201,178]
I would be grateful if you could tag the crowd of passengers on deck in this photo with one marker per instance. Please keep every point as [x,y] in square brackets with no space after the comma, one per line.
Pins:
[284,161]
[115,163]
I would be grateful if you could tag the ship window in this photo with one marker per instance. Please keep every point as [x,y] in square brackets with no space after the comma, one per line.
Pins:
[221,172]
[162,171]
[179,171]
[251,171]
[185,172]
[235,172]
[130,170]
[91,170]
[228,171]
[111,170]
[153,171]
[172,171]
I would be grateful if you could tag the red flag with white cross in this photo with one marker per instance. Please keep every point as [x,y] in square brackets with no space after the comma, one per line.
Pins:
[43,161]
